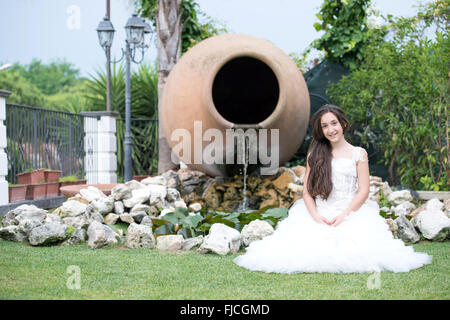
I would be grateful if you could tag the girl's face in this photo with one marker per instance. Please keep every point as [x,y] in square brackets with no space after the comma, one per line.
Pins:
[331,127]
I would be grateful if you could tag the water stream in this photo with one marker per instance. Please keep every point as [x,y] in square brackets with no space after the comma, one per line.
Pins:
[243,205]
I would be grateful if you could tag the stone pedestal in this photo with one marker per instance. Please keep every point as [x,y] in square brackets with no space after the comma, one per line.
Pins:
[4,198]
[101,147]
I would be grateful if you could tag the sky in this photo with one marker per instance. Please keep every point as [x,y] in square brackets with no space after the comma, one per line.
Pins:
[66,29]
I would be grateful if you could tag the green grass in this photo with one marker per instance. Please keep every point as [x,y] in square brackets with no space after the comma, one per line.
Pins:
[116,273]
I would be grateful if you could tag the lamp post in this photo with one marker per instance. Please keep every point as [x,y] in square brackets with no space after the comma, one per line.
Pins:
[137,32]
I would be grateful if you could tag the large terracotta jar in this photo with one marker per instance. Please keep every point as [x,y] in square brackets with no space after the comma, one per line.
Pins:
[234,81]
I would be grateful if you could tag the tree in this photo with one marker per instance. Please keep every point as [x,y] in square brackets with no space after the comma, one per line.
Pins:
[22,90]
[172,18]
[347,33]
[399,97]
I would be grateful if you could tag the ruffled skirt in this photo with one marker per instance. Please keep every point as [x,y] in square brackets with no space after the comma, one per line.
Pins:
[361,243]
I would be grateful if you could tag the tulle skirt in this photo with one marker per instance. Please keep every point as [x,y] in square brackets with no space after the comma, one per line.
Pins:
[361,243]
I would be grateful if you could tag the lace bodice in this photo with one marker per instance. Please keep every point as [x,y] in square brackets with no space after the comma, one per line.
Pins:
[345,180]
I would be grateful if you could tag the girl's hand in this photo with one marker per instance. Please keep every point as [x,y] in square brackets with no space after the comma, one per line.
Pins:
[338,219]
[321,220]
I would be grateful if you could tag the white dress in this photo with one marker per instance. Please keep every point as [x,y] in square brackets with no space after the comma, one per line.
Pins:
[361,243]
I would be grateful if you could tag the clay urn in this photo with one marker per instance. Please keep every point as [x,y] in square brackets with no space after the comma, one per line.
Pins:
[229,83]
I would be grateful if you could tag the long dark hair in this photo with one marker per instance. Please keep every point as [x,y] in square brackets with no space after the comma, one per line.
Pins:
[319,159]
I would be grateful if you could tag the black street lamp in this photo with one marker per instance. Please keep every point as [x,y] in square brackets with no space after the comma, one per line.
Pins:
[136,29]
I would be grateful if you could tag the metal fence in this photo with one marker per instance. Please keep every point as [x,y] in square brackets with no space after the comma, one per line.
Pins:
[144,152]
[41,138]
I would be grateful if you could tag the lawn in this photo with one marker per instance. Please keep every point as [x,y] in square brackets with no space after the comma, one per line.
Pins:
[116,273]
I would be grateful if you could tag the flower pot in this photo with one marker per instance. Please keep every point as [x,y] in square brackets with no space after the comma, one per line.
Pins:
[52,189]
[17,193]
[52,175]
[36,191]
[32,177]
[427,195]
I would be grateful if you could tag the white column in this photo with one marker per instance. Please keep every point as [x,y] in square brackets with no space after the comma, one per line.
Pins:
[100,147]
[4,198]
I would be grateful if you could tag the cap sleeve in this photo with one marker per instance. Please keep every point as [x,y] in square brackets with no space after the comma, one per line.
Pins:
[360,154]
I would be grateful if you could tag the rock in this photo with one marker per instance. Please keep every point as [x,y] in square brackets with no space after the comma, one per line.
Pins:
[211,196]
[434,225]
[138,196]
[138,216]
[92,215]
[52,218]
[190,243]
[77,222]
[126,217]
[415,212]
[26,225]
[78,236]
[387,191]
[195,207]
[103,205]
[72,208]
[111,218]
[48,233]
[434,205]
[100,235]
[255,230]
[406,230]
[13,217]
[180,204]
[92,193]
[170,243]
[404,208]
[398,197]
[147,221]
[13,233]
[119,207]
[158,180]
[157,195]
[139,236]
[295,188]
[282,182]
[172,178]
[134,185]
[299,172]
[447,207]
[173,195]
[140,208]
[231,194]
[221,240]
[120,192]
[393,227]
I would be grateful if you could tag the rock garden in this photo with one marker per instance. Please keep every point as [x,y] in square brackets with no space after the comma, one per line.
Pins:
[188,210]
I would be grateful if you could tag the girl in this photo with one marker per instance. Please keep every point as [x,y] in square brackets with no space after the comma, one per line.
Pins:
[334,228]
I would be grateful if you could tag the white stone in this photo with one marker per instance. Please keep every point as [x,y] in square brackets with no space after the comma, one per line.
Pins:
[434,225]
[119,207]
[255,230]
[72,208]
[195,207]
[121,191]
[100,235]
[126,217]
[434,205]
[111,218]
[138,196]
[169,243]
[12,233]
[103,205]
[190,243]
[92,193]
[158,180]
[48,233]
[398,197]
[166,211]
[157,194]
[221,240]
[405,230]
[133,184]
[180,204]
[404,208]
[173,195]
[139,236]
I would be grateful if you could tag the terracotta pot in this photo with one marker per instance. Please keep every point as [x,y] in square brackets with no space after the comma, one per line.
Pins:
[32,177]
[72,190]
[17,193]
[52,189]
[52,175]
[141,177]
[231,81]
[70,183]
[36,191]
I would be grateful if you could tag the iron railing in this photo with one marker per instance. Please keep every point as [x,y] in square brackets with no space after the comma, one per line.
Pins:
[41,138]
[144,151]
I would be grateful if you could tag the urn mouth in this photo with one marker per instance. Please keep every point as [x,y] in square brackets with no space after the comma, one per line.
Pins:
[244,90]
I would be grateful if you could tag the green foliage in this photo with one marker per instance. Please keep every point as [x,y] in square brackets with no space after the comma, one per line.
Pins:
[68,179]
[399,96]
[22,90]
[144,91]
[71,99]
[48,78]
[180,222]
[197,25]
[347,32]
